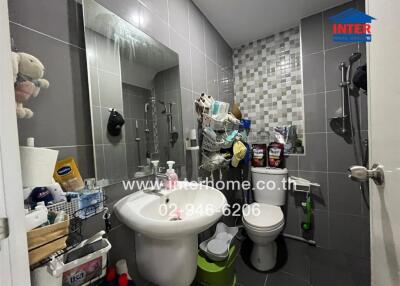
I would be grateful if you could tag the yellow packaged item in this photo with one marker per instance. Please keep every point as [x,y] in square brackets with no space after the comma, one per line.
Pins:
[68,176]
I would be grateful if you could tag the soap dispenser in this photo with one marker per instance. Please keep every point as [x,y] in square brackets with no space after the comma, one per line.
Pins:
[172,180]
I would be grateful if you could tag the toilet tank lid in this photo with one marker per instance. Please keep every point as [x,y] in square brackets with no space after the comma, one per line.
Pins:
[271,171]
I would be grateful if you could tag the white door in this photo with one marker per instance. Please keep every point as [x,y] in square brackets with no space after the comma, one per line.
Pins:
[384,132]
[14,267]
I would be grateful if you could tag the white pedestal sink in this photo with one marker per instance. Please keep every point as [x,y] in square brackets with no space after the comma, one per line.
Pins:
[166,226]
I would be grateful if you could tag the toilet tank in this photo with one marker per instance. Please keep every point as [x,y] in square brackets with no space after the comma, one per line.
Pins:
[269,185]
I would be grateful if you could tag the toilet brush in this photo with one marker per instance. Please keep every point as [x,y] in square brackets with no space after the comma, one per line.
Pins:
[306,225]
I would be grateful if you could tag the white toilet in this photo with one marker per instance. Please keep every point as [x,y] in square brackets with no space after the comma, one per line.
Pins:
[264,220]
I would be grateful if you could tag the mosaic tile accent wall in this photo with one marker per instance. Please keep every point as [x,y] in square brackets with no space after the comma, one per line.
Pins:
[268,83]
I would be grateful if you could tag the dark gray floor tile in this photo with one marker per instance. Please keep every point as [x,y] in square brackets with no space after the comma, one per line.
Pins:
[312,34]
[344,194]
[313,73]
[246,275]
[314,113]
[65,21]
[298,261]
[123,247]
[333,58]
[315,158]
[284,279]
[333,268]
[347,233]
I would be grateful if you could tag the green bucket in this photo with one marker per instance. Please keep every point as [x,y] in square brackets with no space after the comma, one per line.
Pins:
[212,273]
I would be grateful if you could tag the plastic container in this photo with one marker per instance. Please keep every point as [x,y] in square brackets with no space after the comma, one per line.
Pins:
[82,271]
[67,175]
[220,273]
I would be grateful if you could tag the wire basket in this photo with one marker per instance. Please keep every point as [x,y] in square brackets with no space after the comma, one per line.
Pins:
[210,144]
[74,209]
[213,145]
[210,163]
[69,207]
[213,123]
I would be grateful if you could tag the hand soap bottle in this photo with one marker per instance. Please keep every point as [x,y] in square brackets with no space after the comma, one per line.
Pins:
[172,180]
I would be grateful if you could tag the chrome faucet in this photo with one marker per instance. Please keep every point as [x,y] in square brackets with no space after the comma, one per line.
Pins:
[157,185]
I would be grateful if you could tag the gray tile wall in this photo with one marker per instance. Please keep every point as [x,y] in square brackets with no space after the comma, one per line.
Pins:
[105,87]
[135,99]
[62,116]
[341,216]
[62,112]
[205,59]
[167,89]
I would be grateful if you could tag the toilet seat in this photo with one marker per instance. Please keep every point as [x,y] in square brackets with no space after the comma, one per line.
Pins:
[268,218]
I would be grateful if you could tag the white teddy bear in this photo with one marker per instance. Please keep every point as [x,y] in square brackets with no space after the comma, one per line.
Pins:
[28,72]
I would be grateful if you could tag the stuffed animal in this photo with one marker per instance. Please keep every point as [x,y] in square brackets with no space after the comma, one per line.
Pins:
[28,72]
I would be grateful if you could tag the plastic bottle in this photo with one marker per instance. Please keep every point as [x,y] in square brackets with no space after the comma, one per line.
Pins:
[60,217]
[172,180]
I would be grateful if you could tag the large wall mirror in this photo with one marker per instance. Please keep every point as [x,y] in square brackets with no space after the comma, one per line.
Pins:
[135,76]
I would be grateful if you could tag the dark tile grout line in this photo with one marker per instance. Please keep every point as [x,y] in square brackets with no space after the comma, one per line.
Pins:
[46,35]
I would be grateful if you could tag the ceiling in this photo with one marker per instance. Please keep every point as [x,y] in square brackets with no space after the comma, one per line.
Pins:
[242,21]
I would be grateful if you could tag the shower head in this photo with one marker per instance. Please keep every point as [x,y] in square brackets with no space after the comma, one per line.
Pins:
[354,57]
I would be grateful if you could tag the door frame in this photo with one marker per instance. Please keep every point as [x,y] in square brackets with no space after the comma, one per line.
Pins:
[14,263]
[384,139]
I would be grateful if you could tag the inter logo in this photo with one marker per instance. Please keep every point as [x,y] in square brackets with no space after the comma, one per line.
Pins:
[351,25]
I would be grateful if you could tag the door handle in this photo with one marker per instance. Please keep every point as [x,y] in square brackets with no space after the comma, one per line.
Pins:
[362,174]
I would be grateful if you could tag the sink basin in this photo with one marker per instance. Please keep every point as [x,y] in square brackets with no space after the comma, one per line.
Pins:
[166,226]
[188,209]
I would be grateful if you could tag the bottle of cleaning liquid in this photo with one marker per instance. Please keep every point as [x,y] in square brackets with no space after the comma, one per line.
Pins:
[172,180]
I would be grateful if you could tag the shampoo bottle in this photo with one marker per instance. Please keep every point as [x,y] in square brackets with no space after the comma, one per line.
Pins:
[172,180]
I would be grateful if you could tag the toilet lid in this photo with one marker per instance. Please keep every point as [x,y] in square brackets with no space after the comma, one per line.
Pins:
[263,215]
